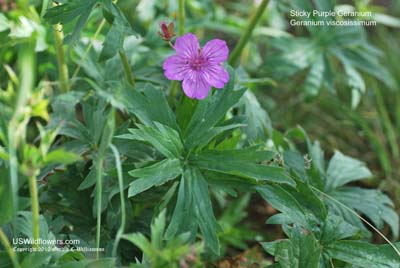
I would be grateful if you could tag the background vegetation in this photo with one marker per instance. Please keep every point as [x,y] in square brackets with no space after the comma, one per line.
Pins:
[293,164]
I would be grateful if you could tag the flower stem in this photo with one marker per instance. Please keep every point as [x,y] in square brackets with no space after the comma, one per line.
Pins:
[35,208]
[247,33]
[10,252]
[62,66]
[181,17]
[121,229]
[127,67]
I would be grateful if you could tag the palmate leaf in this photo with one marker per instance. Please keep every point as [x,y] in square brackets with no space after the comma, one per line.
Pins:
[302,250]
[183,214]
[298,205]
[285,202]
[69,11]
[372,203]
[165,139]
[317,54]
[241,163]
[120,28]
[160,253]
[259,125]
[154,175]
[150,106]
[204,211]
[364,254]
[194,202]
[343,169]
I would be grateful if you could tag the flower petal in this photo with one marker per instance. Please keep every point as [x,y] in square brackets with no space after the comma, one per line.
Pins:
[195,86]
[216,75]
[175,67]
[187,46]
[216,51]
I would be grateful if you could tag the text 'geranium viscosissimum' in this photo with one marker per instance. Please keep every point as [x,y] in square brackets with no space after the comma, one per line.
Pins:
[198,68]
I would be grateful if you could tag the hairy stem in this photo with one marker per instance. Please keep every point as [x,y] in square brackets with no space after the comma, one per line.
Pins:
[181,17]
[62,66]
[35,208]
[247,33]
[10,252]
[127,67]
[121,229]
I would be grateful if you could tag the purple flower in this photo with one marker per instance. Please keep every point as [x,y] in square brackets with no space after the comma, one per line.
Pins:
[199,68]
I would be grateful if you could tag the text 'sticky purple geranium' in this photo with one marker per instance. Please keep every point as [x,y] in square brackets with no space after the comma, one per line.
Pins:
[199,68]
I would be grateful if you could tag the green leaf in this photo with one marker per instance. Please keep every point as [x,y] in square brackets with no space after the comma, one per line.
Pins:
[335,228]
[4,24]
[6,205]
[211,110]
[183,215]
[60,156]
[212,133]
[314,79]
[115,37]
[302,250]
[157,230]
[140,241]
[308,199]
[149,107]
[343,169]
[204,211]
[69,11]
[165,139]
[259,125]
[241,163]
[101,263]
[364,254]
[372,203]
[89,180]
[285,202]
[37,259]
[154,175]
[193,208]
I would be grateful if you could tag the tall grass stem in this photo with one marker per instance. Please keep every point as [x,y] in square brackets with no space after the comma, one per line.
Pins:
[247,33]
[121,229]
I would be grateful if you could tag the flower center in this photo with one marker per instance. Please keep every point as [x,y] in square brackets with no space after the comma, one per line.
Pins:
[198,62]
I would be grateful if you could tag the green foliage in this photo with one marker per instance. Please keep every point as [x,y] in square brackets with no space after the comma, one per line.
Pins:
[328,54]
[189,183]
[187,155]
[159,253]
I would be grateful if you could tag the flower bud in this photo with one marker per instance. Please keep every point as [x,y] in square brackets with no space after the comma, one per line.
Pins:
[167,31]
